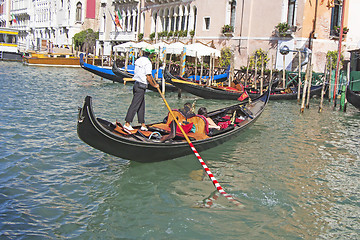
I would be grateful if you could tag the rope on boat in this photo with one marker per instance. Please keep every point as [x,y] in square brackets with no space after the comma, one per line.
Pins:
[153,133]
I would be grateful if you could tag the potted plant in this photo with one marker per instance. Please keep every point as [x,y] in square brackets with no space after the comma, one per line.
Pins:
[337,30]
[227,30]
[170,34]
[152,36]
[283,29]
[140,36]
[192,33]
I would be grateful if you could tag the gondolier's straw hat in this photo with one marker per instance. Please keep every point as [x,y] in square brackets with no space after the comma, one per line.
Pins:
[149,49]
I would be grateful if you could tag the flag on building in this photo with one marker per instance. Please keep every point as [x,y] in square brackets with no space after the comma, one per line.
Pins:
[118,17]
[13,18]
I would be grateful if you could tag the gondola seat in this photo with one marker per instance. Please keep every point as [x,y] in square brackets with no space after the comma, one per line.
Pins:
[166,126]
[200,123]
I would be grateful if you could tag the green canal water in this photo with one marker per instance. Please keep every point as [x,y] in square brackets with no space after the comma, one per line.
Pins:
[297,175]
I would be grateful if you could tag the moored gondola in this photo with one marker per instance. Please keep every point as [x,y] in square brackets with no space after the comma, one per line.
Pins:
[216,92]
[353,97]
[201,90]
[290,93]
[100,71]
[163,141]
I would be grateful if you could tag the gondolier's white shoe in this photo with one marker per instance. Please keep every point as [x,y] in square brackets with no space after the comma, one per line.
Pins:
[130,128]
[143,128]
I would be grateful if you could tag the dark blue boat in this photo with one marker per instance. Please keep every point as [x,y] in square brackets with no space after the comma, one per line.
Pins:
[103,72]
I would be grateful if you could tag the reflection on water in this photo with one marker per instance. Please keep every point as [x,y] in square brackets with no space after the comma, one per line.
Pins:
[297,175]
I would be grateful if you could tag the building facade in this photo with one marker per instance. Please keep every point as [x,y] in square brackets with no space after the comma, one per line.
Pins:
[251,23]
[45,25]
[242,25]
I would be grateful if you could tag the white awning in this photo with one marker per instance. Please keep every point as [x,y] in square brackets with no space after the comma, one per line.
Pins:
[198,49]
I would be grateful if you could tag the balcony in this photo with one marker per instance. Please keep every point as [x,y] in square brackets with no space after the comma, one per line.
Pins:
[123,36]
[125,1]
[160,1]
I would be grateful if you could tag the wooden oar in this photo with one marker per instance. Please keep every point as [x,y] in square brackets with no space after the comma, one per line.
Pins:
[207,170]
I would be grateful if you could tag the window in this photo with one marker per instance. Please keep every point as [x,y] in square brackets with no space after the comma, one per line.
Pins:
[166,24]
[11,38]
[335,17]
[136,20]
[195,17]
[131,23]
[291,13]
[232,13]
[206,23]
[2,38]
[126,22]
[78,11]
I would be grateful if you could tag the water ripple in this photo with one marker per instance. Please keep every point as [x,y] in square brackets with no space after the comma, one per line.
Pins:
[297,175]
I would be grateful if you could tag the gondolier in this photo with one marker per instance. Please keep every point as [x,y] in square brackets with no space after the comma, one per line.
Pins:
[142,76]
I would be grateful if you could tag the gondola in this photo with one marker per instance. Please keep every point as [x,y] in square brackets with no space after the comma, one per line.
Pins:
[163,141]
[352,97]
[201,90]
[212,92]
[217,77]
[129,74]
[290,93]
[100,71]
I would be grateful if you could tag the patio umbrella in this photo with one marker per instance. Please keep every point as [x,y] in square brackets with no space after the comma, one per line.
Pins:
[124,47]
[199,50]
[175,48]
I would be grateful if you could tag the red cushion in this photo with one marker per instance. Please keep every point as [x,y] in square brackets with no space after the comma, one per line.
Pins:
[186,128]
[224,125]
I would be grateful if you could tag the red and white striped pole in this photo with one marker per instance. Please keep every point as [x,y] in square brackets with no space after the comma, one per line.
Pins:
[203,164]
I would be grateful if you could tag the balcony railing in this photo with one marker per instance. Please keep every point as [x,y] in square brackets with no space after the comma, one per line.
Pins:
[123,36]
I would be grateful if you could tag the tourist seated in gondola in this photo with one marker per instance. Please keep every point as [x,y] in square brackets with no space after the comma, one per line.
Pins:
[212,124]
[187,111]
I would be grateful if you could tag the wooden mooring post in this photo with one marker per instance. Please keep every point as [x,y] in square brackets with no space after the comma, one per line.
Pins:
[262,76]
[330,75]
[163,86]
[201,69]
[343,102]
[283,76]
[195,68]
[231,71]
[299,78]
[336,84]
[271,69]
[323,87]
[255,75]
[309,88]
[126,60]
[93,61]
[305,89]
[247,71]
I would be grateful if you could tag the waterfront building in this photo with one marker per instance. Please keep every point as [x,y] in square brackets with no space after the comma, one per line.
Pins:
[48,25]
[242,25]
[3,13]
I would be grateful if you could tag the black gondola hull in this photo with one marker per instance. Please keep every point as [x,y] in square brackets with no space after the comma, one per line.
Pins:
[102,72]
[97,133]
[314,91]
[215,93]
[353,97]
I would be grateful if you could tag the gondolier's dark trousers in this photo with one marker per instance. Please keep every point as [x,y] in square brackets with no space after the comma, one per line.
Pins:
[137,104]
